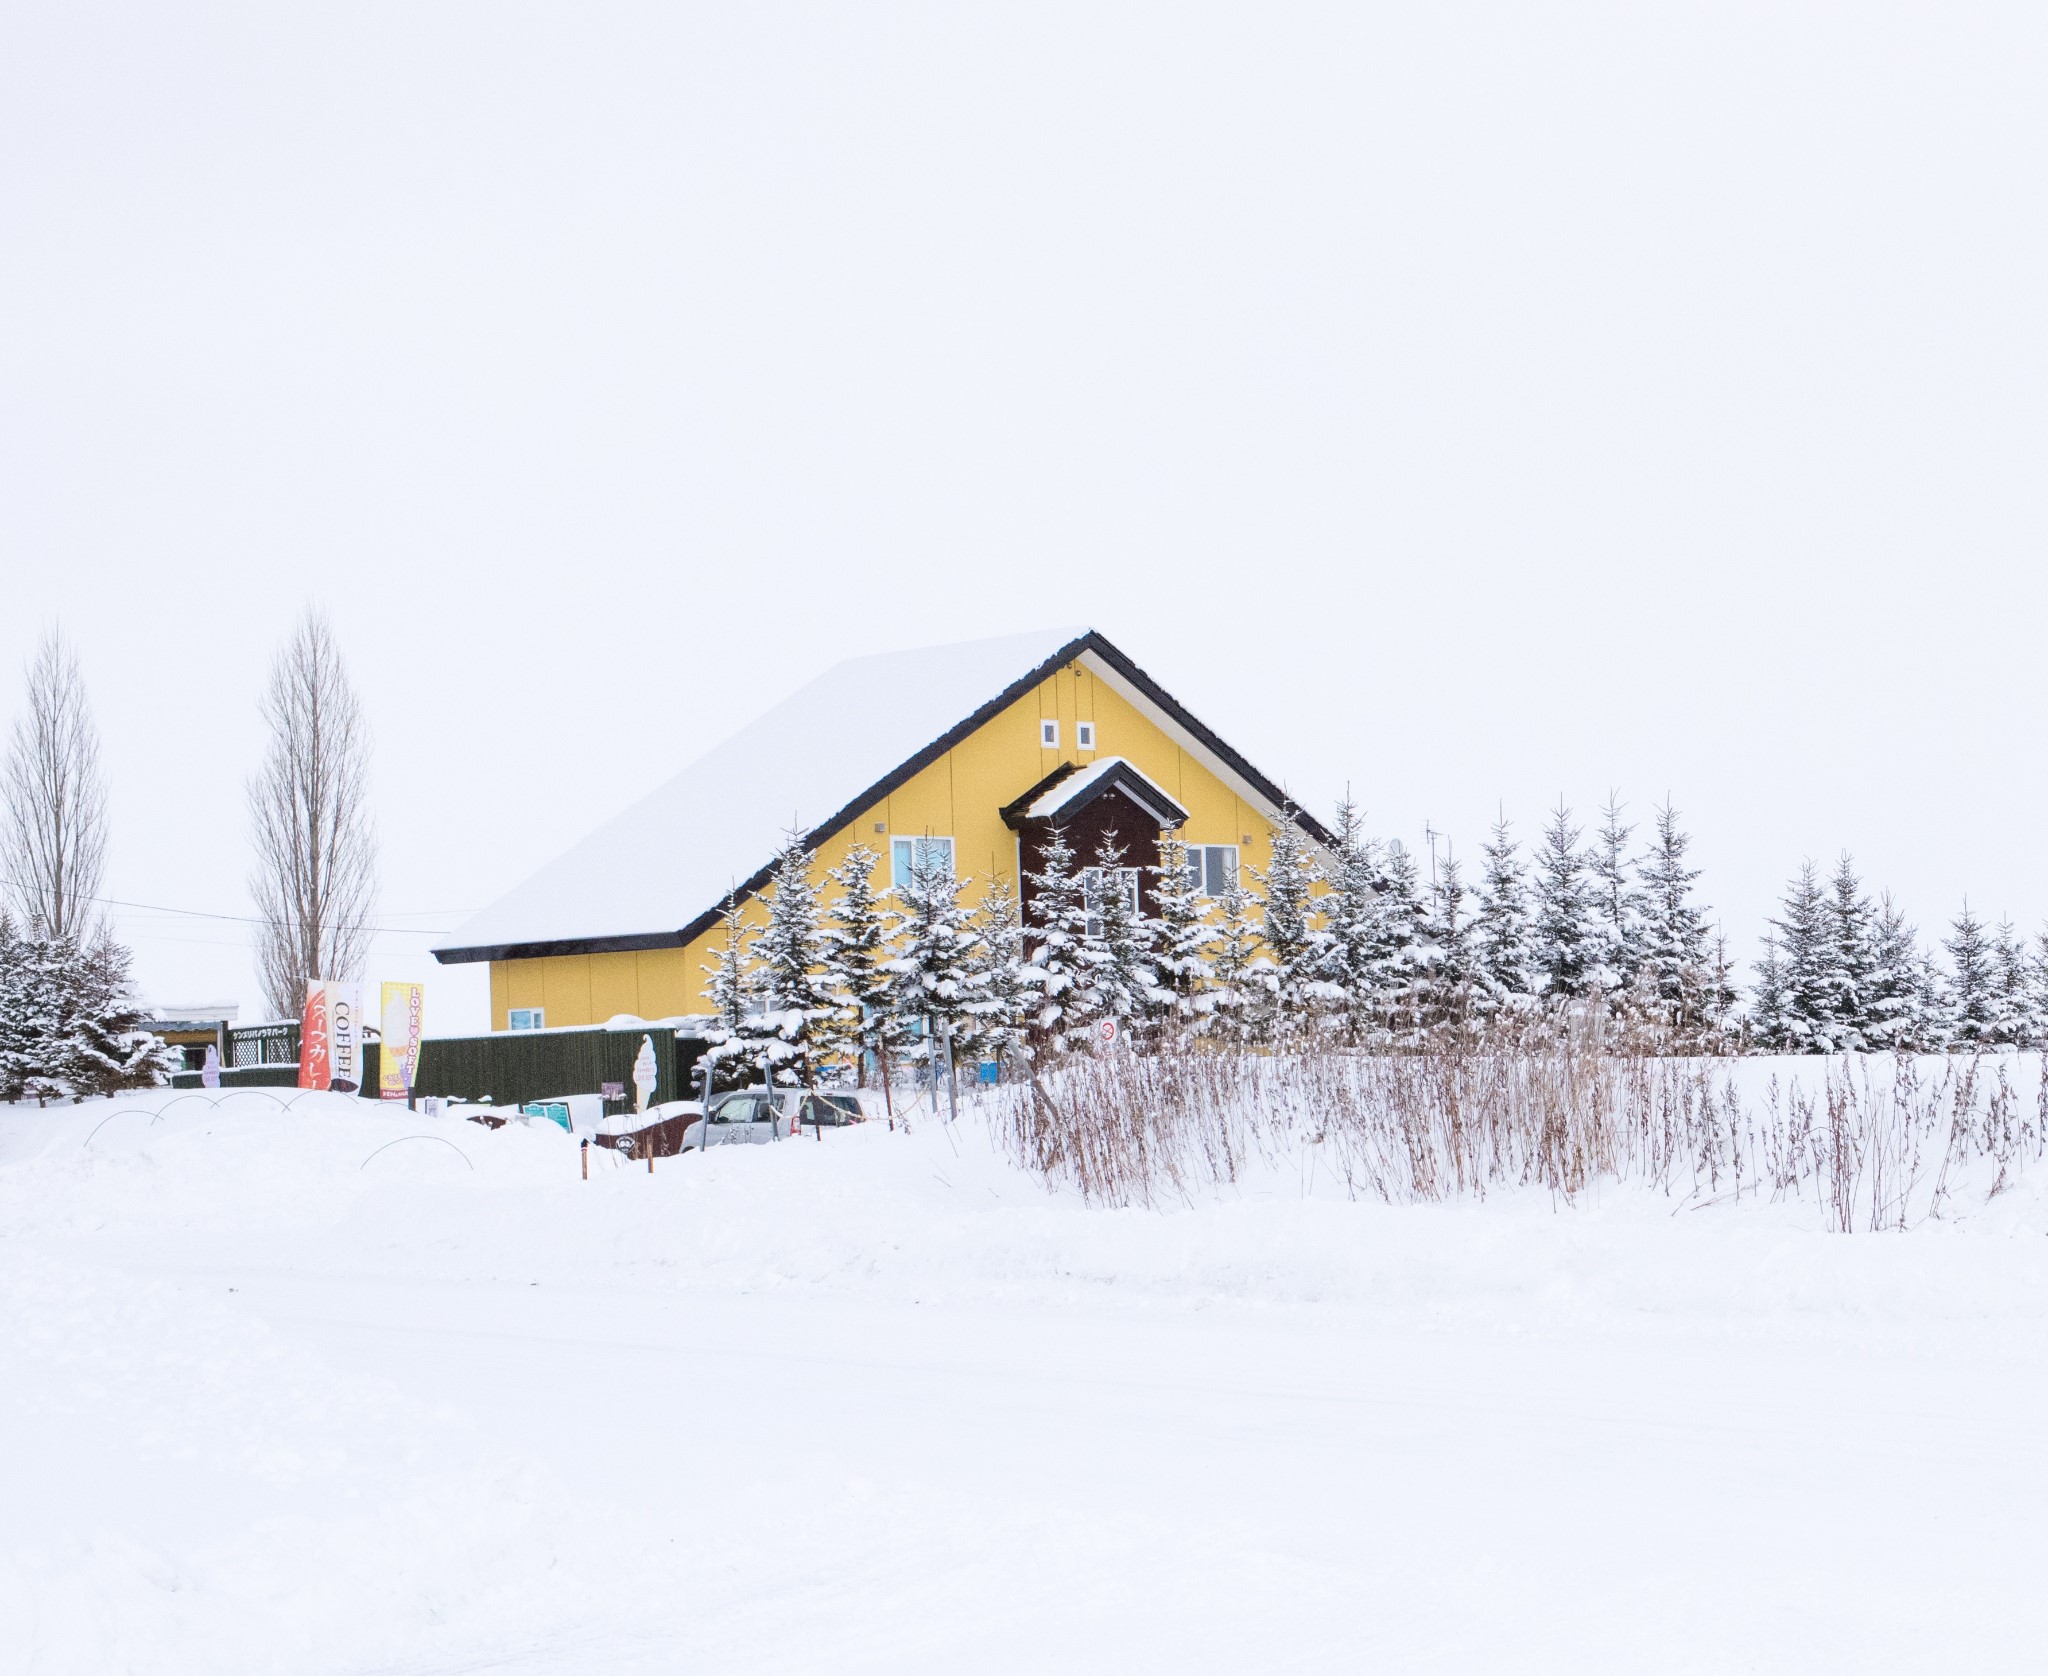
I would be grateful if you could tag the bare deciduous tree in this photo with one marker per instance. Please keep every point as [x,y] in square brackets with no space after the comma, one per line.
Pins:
[316,856]
[54,848]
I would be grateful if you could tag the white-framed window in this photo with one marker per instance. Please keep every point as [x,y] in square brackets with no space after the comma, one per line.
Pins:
[906,854]
[527,1018]
[1212,868]
[1097,880]
[1049,735]
[1084,736]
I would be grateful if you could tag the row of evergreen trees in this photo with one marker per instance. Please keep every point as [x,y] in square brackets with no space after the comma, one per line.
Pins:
[1840,972]
[1364,950]
[69,1021]
[1349,942]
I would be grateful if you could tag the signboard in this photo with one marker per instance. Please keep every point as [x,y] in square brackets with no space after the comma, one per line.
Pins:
[313,1037]
[401,1006]
[1105,1032]
[344,1037]
[331,1037]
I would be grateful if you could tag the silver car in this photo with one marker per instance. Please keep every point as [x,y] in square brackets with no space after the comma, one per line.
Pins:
[745,1117]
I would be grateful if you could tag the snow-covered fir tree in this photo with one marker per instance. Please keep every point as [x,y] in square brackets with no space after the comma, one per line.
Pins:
[2037,987]
[1895,1018]
[1973,983]
[1405,960]
[1767,1028]
[1001,1007]
[934,979]
[108,1047]
[1449,982]
[1806,952]
[856,954]
[1673,959]
[1056,931]
[13,999]
[1349,960]
[1937,1006]
[40,998]
[1183,936]
[1721,999]
[1565,940]
[1500,928]
[1851,938]
[1236,990]
[2012,1011]
[1117,949]
[789,1027]
[1616,916]
[727,970]
[1288,927]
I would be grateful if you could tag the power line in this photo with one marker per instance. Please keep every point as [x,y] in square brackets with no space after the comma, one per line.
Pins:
[247,919]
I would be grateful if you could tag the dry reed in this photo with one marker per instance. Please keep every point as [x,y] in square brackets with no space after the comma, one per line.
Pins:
[1878,1142]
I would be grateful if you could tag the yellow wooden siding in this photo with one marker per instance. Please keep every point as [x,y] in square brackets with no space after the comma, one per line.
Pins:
[959,796]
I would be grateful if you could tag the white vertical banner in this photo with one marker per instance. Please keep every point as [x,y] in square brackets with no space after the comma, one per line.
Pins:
[344,1036]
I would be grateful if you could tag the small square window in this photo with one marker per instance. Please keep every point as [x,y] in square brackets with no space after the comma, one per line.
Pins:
[906,853]
[1084,735]
[1049,735]
[527,1018]
[1212,868]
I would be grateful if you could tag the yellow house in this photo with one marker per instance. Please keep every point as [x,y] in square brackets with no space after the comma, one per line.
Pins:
[979,750]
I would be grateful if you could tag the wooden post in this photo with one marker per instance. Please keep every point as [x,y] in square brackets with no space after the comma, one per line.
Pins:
[585,1149]
[650,1155]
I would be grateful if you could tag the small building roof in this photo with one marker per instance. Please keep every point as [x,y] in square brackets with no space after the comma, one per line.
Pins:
[1069,788]
[657,875]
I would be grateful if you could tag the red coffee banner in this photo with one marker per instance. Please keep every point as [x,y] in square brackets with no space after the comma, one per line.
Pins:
[313,1037]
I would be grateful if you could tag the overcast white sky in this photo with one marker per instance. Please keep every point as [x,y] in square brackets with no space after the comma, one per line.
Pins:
[1474,405]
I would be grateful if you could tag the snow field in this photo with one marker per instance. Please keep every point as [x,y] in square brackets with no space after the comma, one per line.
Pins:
[281,1394]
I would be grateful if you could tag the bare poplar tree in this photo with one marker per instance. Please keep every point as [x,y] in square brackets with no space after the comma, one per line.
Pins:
[316,857]
[54,847]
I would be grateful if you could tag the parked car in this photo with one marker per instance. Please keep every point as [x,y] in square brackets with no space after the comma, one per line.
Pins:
[744,1117]
[826,1111]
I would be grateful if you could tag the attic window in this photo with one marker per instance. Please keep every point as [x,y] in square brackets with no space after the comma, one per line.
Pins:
[1049,735]
[1084,735]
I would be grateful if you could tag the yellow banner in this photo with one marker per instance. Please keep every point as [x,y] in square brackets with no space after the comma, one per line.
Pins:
[399,1019]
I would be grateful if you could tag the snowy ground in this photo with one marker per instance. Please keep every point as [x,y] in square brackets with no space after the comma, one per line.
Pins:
[274,1400]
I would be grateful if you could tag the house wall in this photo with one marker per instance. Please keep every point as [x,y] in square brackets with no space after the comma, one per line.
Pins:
[958,796]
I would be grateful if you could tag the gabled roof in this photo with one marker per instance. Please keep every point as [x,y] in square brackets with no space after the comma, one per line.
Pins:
[1069,789]
[658,875]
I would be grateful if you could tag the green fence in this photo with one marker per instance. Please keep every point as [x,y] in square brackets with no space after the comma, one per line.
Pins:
[512,1067]
[246,1076]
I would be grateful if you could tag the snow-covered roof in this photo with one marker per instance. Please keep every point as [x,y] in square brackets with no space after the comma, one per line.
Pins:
[677,852]
[1070,791]
[655,875]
